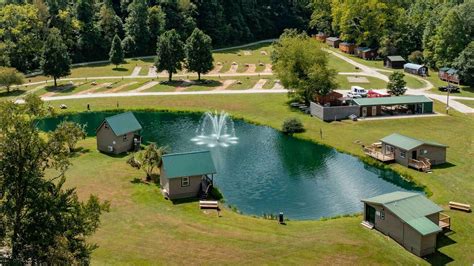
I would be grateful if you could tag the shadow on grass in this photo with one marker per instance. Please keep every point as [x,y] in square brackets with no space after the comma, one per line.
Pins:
[182,83]
[11,93]
[120,155]
[184,201]
[443,166]
[120,69]
[61,88]
[439,258]
[79,151]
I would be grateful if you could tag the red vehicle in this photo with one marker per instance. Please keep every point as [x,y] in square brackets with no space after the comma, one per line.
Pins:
[377,94]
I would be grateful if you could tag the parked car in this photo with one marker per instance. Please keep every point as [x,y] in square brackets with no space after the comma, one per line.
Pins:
[450,87]
[357,92]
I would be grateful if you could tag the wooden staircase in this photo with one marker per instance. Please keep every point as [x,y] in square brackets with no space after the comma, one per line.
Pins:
[367,224]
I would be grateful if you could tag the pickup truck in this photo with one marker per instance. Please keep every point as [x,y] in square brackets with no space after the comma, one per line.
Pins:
[357,92]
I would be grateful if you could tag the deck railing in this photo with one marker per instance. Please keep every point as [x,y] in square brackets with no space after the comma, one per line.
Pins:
[421,164]
[379,155]
[444,221]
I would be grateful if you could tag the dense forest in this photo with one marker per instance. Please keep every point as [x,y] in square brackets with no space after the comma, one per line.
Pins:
[433,32]
[89,26]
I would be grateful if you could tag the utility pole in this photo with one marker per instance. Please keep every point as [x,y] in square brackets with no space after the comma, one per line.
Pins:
[447,98]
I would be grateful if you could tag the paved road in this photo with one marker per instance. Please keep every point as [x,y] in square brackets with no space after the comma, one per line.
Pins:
[129,94]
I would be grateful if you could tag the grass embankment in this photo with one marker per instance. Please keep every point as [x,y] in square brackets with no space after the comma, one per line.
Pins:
[144,228]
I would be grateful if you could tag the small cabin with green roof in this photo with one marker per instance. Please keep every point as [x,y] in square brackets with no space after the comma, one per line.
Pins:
[409,218]
[187,175]
[408,151]
[119,133]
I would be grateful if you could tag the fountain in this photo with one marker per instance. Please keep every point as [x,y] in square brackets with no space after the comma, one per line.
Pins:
[215,129]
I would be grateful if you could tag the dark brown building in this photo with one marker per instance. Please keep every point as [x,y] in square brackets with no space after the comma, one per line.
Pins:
[347,47]
[331,99]
[321,37]
[333,42]
[366,53]
[396,62]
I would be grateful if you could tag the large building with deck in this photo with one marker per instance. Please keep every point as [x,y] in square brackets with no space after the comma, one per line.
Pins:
[408,104]
[409,218]
[187,175]
[408,151]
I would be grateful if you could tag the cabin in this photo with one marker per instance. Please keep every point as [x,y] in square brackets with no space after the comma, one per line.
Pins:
[347,47]
[415,69]
[408,151]
[330,99]
[118,134]
[449,74]
[321,37]
[395,62]
[397,105]
[409,218]
[187,175]
[333,42]
[366,53]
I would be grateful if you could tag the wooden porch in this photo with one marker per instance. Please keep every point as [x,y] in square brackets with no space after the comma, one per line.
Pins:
[422,164]
[375,152]
[444,221]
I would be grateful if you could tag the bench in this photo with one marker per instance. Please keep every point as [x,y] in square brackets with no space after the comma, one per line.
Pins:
[208,204]
[459,206]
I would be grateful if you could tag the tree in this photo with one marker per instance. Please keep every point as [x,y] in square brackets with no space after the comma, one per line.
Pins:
[148,160]
[199,53]
[302,67]
[55,60]
[464,63]
[156,24]
[416,57]
[170,53]
[321,19]
[116,52]
[396,84]
[38,215]
[292,125]
[21,32]
[10,76]
[110,24]
[70,133]
[136,26]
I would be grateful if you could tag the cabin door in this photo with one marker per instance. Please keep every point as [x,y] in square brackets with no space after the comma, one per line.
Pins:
[364,111]
[369,214]
[413,155]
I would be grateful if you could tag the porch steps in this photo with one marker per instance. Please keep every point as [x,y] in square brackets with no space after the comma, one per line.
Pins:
[367,224]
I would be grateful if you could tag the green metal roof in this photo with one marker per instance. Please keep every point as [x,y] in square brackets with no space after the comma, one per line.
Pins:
[424,226]
[412,208]
[408,143]
[188,164]
[395,58]
[123,123]
[407,99]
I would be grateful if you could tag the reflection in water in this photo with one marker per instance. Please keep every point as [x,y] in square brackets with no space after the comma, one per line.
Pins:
[268,172]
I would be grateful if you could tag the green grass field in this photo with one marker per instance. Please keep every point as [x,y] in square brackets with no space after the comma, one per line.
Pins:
[467,102]
[143,228]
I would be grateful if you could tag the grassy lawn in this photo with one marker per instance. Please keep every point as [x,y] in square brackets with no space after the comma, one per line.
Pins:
[374,83]
[467,102]
[143,228]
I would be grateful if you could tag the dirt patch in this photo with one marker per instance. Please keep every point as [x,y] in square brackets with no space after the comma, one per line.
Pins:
[136,71]
[353,79]
[268,68]
[227,83]
[93,89]
[233,68]
[146,86]
[278,85]
[152,71]
[216,69]
[259,85]
[120,87]
[247,52]
[251,68]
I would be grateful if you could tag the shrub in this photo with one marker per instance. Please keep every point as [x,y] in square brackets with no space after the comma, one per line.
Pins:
[292,125]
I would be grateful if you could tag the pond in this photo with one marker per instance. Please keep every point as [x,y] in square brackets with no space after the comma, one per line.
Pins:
[268,172]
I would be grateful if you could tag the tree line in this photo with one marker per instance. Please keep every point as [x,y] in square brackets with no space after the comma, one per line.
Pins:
[88,27]
[431,32]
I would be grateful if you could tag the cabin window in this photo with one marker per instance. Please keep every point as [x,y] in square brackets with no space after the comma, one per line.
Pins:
[403,154]
[124,138]
[382,215]
[106,126]
[424,152]
[185,181]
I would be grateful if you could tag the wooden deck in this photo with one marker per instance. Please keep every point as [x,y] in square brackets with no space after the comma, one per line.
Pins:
[422,164]
[379,155]
[444,221]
